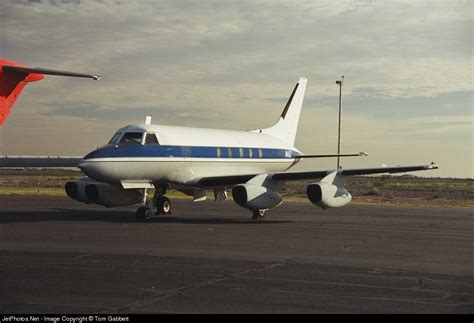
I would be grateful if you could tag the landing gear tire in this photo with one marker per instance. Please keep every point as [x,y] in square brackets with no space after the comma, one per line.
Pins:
[258,214]
[163,206]
[143,214]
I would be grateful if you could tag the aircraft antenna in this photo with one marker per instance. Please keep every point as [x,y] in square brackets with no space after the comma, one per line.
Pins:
[339,82]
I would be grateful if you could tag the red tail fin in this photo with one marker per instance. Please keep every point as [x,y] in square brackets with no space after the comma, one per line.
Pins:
[11,85]
[15,76]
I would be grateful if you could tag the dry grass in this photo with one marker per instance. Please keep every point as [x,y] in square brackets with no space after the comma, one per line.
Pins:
[399,190]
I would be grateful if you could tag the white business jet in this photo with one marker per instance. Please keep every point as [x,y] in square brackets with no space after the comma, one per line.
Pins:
[252,164]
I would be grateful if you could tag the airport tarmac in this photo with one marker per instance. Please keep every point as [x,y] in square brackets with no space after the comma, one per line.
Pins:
[60,256]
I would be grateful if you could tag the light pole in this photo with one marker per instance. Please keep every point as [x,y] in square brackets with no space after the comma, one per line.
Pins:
[339,127]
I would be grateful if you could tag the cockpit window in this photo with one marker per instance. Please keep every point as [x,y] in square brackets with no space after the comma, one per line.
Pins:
[115,138]
[151,139]
[135,137]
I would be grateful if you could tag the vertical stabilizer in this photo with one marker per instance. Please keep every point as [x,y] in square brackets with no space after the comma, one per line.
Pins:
[287,126]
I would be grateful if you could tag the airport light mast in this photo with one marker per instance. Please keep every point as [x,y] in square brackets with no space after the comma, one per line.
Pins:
[339,82]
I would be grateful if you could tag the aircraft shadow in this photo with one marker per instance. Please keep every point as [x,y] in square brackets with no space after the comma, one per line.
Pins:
[63,215]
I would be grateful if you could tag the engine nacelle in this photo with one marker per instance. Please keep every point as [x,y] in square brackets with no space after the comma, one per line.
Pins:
[77,189]
[327,195]
[255,197]
[89,191]
[110,195]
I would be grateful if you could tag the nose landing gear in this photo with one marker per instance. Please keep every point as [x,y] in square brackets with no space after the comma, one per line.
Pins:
[259,214]
[161,202]
[143,214]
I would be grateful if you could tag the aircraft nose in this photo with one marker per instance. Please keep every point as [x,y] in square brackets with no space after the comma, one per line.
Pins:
[99,170]
[84,166]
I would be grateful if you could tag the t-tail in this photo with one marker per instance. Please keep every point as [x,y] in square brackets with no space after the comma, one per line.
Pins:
[287,126]
[15,76]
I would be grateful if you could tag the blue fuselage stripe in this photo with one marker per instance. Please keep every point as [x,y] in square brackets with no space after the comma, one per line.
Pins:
[136,150]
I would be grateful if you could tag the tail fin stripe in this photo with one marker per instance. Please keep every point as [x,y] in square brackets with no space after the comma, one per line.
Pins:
[283,114]
[287,125]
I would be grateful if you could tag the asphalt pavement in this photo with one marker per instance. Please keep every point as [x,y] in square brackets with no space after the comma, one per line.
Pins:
[61,256]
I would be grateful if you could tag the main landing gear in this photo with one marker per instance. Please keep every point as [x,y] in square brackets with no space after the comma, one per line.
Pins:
[161,202]
[163,206]
[259,214]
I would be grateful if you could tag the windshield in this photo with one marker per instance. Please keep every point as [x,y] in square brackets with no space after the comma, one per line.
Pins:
[115,138]
[135,137]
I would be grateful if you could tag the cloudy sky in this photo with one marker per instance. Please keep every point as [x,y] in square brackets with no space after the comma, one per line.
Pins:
[407,96]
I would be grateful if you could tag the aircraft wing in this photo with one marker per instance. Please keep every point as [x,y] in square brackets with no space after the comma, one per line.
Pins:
[39,161]
[309,175]
[44,71]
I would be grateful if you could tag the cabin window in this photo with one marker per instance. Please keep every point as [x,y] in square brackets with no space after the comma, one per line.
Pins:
[229,152]
[250,153]
[241,152]
[219,153]
[115,138]
[260,153]
[151,139]
[135,137]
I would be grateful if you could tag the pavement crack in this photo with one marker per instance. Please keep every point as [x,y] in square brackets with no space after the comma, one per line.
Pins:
[430,301]
[148,300]
[420,283]
[347,247]
[80,256]
[441,222]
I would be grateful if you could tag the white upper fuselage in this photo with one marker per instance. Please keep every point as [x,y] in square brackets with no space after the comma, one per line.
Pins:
[183,155]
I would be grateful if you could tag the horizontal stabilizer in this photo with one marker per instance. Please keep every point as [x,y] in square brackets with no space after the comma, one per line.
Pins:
[44,71]
[15,76]
[334,155]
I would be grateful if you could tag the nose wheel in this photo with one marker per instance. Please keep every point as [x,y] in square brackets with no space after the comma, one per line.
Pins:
[163,207]
[161,202]
[258,214]
[144,214]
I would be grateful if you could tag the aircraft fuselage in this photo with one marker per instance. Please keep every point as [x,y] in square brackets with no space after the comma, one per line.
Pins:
[184,155]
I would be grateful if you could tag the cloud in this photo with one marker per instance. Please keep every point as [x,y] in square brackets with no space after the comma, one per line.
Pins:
[234,64]
[402,48]
[132,114]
